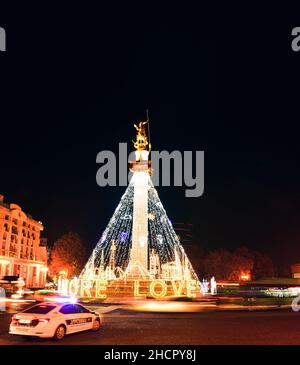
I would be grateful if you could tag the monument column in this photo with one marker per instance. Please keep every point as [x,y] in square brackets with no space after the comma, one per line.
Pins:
[141,168]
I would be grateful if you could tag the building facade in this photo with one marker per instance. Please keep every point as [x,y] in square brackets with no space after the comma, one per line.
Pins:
[21,253]
[296,271]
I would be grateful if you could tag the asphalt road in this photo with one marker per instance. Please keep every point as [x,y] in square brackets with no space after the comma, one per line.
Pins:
[123,327]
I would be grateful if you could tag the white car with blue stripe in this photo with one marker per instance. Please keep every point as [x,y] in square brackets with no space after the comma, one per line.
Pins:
[50,319]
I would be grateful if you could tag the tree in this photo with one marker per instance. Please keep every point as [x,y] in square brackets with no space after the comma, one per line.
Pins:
[236,265]
[263,266]
[241,264]
[67,254]
[217,263]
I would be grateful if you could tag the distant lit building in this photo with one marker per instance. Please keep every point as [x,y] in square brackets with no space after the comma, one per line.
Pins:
[21,251]
[296,271]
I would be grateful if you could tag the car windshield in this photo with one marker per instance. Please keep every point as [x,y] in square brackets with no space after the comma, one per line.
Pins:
[40,309]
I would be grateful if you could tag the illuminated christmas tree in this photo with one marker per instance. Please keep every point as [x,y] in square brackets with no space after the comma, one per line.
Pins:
[139,241]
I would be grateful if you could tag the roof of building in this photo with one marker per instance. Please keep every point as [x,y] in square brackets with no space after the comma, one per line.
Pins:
[14,206]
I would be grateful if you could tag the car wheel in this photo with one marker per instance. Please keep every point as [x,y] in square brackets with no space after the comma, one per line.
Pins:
[96,325]
[60,332]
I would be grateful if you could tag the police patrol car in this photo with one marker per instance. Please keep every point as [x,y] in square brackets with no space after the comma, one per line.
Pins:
[55,320]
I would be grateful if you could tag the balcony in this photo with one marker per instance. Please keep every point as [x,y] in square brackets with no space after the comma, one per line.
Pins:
[8,253]
[24,256]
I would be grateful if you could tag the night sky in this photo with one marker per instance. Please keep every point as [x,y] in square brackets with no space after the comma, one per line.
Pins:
[220,78]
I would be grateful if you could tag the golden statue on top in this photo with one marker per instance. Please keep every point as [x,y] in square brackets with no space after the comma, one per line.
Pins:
[143,147]
[141,142]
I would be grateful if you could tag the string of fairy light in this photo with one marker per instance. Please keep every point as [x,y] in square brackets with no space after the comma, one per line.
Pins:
[119,230]
[161,235]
